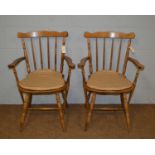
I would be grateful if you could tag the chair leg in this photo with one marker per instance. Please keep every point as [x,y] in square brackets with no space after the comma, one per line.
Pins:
[126,109]
[86,99]
[122,101]
[64,95]
[21,95]
[130,95]
[61,113]
[90,110]
[26,104]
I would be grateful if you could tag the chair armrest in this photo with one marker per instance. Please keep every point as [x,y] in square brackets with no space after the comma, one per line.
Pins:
[69,62]
[136,63]
[83,62]
[71,66]
[16,62]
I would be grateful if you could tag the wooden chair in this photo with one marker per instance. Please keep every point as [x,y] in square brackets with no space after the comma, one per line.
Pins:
[43,75]
[111,78]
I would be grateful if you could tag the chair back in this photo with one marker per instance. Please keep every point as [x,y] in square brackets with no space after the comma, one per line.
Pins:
[108,50]
[42,49]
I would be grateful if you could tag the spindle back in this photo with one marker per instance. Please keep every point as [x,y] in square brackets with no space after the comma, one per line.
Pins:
[42,49]
[114,49]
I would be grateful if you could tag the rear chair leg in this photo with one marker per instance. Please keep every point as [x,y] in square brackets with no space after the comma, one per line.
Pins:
[26,105]
[61,113]
[90,110]
[122,101]
[64,95]
[86,99]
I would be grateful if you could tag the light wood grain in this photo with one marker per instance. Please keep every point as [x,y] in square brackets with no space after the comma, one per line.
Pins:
[42,80]
[109,81]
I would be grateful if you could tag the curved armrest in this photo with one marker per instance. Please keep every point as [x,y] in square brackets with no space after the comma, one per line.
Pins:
[69,62]
[71,66]
[136,63]
[83,62]
[16,62]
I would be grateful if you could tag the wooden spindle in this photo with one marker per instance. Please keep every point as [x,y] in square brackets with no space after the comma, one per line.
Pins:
[111,57]
[48,52]
[126,57]
[26,56]
[90,56]
[62,56]
[41,55]
[104,45]
[119,55]
[33,54]
[96,54]
[55,54]
[63,41]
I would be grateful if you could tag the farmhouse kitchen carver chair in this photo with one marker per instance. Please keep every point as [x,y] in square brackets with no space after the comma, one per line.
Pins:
[111,78]
[43,74]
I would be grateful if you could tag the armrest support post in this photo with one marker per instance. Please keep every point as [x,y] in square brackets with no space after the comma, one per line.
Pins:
[71,66]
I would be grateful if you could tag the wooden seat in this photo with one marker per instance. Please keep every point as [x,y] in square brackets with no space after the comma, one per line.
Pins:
[43,80]
[44,56]
[108,81]
[112,49]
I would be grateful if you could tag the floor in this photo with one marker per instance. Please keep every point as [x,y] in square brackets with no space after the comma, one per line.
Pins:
[104,124]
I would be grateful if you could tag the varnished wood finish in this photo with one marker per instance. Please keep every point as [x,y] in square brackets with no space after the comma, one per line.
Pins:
[26,56]
[90,56]
[55,54]
[16,62]
[83,62]
[96,54]
[69,62]
[48,52]
[119,54]
[90,111]
[41,53]
[109,109]
[126,110]
[64,95]
[62,55]
[61,113]
[104,43]
[26,105]
[81,66]
[43,108]
[111,57]
[26,93]
[121,37]
[126,57]
[33,54]
[136,63]
[42,34]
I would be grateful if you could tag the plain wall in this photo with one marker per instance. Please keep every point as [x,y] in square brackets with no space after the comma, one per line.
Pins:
[144,44]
